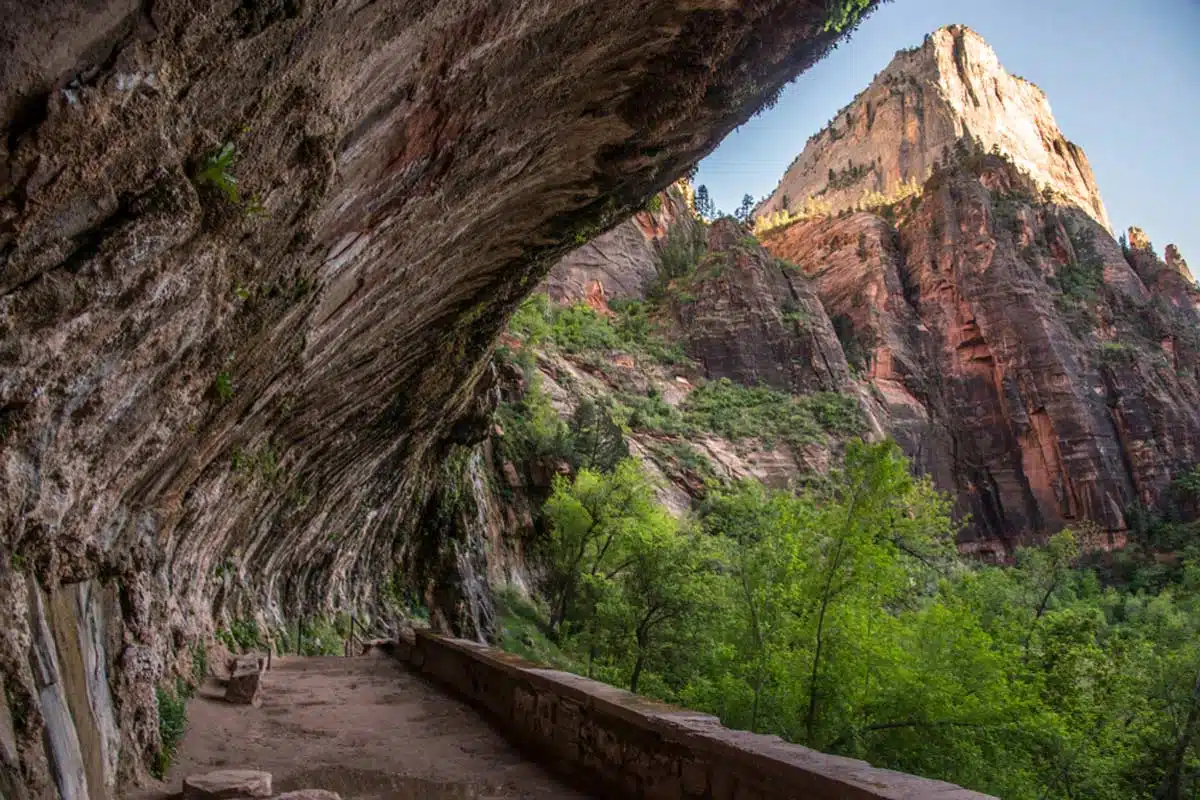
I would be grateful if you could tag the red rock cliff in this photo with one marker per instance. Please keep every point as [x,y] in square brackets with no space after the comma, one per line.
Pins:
[1024,362]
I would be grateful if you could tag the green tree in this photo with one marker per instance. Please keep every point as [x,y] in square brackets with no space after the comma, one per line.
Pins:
[876,517]
[598,442]
[745,211]
[840,617]
[590,517]
[704,204]
[665,579]
[758,529]
[1048,569]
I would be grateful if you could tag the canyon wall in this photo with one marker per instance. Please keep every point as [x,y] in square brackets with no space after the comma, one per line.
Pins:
[253,256]
[1036,371]
[1040,374]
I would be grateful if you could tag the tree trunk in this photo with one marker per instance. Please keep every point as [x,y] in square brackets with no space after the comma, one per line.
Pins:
[826,596]
[637,672]
[758,682]
[1172,787]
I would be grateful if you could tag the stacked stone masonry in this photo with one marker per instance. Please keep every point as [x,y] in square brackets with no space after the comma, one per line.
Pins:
[622,745]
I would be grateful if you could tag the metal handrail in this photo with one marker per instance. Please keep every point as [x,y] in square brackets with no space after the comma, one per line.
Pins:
[352,636]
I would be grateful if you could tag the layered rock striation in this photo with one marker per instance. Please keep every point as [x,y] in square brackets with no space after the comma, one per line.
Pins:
[624,261]
[915,111]
[1036,371]
[253,256]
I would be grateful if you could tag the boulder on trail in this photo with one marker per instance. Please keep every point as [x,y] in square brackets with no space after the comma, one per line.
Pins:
[225,784]
[245,679]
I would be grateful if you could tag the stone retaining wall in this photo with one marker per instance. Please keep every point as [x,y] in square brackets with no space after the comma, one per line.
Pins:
[622,745]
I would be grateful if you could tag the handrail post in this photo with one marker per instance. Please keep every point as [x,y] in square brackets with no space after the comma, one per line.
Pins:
[355,634]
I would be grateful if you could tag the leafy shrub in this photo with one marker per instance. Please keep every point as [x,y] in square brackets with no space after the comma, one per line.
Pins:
[199,663]
[172,720]
[532,428]
[1187,485]
[596,441]
[689,458]
[223,386]
[811,208]
[578,327]
[681,252]
[321,637]
[797,315]
[740,412]
[639,331]
[531,320]
[1115,352]
[847,176]
[837,413]
[262,462]
[402,600]
[523,631]
[1080,279]
[242,635]
[651,412]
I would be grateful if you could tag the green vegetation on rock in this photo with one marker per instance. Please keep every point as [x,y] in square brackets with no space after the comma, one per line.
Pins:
[741,412]
[844,14]
[578,329]
[1081,278]
[172,721]
[216,170]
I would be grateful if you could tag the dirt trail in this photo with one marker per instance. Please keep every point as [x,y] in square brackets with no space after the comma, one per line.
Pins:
[363,727]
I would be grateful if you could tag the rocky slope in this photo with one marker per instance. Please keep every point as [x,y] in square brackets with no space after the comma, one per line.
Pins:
[914,112]
[253,256]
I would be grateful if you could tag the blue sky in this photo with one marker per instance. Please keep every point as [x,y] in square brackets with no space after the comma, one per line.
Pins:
[1123,78]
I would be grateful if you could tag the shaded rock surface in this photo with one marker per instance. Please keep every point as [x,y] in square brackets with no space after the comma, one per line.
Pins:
[227,784]
[624,260]
[754,320]
[953,85]
[252,260]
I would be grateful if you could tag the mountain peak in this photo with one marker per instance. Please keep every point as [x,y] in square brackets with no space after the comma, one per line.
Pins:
[950,86]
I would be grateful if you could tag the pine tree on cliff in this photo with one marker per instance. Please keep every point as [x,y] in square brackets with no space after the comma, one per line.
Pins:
[745,210]
[704,204]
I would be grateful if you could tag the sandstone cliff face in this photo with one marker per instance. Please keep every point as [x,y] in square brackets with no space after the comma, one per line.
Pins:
[951,86]
[1023,362]
[753,320]
[623,261]
[223,398]
[854,264]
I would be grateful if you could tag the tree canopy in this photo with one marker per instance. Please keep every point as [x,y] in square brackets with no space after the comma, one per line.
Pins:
[842,618]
